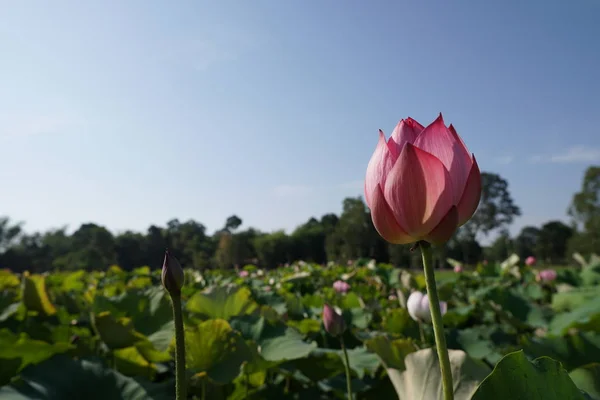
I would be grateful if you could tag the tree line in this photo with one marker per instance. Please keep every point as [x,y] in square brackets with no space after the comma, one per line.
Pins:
[338,238]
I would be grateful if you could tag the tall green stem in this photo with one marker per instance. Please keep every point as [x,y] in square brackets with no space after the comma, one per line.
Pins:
[436,319]
[180,376]
[347,366]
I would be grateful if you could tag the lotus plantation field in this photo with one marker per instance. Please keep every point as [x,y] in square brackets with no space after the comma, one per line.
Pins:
[257,334]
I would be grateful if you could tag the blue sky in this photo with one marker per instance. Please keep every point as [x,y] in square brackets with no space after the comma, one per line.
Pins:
[132,113]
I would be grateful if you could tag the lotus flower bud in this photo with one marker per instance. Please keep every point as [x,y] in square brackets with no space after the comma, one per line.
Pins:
[530,261]
[418,307]
[547,275]
[244,274]
[333,321]
[341,286]
[421,184]
[172,275]
[458,268]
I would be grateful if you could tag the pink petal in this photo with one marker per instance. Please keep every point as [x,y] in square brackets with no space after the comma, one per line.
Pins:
[459,139]
[445,229]
[449,149]
[380,164]
[405,132]
[385,222]
[418,190]
[472,194]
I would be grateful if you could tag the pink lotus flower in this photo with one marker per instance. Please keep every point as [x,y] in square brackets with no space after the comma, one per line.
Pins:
[547,275]
[458,268]
[530,261]
[421,184]
[341,286]
[333,321]
[243,274]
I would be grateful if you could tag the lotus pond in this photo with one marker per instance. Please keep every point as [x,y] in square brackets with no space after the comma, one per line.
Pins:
[259,335]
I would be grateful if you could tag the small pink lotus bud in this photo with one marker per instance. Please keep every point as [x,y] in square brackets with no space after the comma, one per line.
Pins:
[244,274]
[530,261]
[458,268]
[422,183]
[172,275]
[333,321]
[546,275]
[341,286]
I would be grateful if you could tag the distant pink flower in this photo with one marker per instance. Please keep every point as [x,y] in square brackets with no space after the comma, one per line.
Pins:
[530,261]
[267,288]
[244,274]
[350,262]
[485,262]
[458,268]
[392,297]
[341,286]
[422,183]
[546,275]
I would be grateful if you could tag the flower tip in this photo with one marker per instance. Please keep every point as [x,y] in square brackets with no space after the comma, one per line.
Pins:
[172,275]
[333,321]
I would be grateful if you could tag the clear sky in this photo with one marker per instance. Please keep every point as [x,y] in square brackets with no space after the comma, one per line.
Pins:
[130,113]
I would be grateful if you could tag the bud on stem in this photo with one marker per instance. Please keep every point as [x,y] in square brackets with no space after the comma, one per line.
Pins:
[172,275]
[333,321]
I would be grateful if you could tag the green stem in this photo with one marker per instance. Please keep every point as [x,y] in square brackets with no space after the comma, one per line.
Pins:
[180,377]
[421,332]
[247,385]
[436,319]
[347,367]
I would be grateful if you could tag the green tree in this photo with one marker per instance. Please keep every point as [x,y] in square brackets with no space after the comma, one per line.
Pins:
[496,208]
[552,242]
[501,248]
[585,206]
[189,243]
[8,233]
[526,241]
[308,242]
[92,248]
[232,223]
[585,211]
[130,248]
[273,249]
[354,235]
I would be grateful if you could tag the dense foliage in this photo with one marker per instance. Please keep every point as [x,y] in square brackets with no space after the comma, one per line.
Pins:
[259,334]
